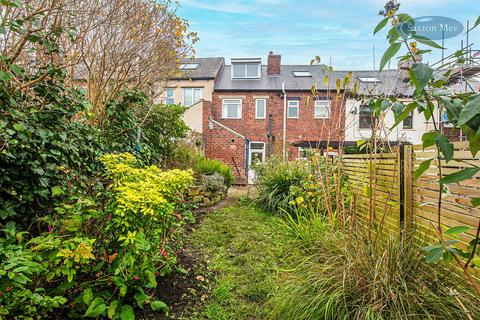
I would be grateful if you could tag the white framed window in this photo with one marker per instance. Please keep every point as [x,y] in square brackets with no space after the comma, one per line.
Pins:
[170,96]
[191,96]
[292,109]
[322,109]
[260,108]
[246,70]
[232,108]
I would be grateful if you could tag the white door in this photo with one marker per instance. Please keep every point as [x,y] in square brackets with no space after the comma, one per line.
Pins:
[256,154]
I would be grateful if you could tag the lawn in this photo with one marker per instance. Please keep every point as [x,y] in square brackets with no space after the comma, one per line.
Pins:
[245,248]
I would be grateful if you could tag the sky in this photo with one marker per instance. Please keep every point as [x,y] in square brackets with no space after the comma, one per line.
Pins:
[340,30]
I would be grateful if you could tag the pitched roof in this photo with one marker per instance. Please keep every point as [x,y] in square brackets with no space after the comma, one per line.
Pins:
[390,83]
[208,68]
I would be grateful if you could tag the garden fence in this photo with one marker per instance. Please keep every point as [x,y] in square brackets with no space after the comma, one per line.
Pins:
[386,195]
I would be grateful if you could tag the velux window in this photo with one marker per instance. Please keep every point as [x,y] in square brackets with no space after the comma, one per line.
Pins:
[232,108]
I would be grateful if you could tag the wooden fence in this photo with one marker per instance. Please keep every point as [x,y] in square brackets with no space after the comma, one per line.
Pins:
[387,195]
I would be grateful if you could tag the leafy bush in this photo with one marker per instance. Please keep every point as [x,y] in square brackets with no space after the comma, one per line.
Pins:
[274,181]
[185,157]
[135,125]
[209,167]
[43,147]
[344,276]
[101,254]
[213,183]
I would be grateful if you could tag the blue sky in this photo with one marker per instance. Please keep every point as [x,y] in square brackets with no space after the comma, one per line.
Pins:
[300,30]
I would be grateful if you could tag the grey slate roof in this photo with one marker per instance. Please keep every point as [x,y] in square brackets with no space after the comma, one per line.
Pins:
[208,68]
[390,82]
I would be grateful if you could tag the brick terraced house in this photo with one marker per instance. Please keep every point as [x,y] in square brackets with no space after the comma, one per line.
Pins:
[260,110]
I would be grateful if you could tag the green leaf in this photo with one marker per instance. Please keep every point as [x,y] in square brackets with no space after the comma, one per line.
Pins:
[427,41]
[471,109]
[57,191]
[127,312]
[380,25]
[389,54]
[457,230]
[461,175]
[87,296]
[112,309]
[434,255]
[140,297]
[476,202]
[404,113]
[5,76]
[428,139]
[96,308]
[423,74]
[477,23]
[159,305]
[421,169]
[445,146]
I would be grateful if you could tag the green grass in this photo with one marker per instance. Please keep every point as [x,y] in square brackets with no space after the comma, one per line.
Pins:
[244,247]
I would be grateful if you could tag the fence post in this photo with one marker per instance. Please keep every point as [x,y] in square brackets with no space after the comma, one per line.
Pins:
[407,186]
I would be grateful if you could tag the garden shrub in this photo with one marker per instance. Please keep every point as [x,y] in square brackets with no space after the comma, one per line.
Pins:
[134,124]
[102,254]
[47,149]
[213,183]
[346,276]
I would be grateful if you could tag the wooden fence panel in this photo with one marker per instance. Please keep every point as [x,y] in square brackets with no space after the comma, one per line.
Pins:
[378,176]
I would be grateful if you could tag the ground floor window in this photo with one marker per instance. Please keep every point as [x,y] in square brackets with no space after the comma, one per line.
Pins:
[365,117]
[408,122]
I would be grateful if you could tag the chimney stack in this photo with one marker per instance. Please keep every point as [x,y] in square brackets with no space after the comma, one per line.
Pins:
[404,67]
[273,64]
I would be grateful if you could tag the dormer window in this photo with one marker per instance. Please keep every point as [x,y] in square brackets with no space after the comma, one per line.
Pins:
[302,74]
[246,68]
[189,66]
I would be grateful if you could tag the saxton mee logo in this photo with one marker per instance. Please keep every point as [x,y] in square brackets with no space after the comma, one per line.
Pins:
[431,27]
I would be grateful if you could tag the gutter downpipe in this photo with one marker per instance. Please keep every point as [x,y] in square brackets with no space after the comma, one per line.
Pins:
[284,142]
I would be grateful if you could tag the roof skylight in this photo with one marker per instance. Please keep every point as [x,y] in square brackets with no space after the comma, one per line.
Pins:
[189,66]
[369,80]
[302,74]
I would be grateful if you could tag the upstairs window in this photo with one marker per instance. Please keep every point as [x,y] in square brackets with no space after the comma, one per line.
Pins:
[232,108]
[365,117]
[322,109]
[292,110]
[408,122]
[260,108]
[246,70]
[191,96]
[170,98]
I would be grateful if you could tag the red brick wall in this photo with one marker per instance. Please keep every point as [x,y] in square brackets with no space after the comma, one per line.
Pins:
[218,142]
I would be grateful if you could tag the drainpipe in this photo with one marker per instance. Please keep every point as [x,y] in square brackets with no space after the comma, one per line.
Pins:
[284,142]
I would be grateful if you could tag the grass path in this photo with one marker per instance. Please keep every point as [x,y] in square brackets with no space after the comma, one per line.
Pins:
[243,246]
